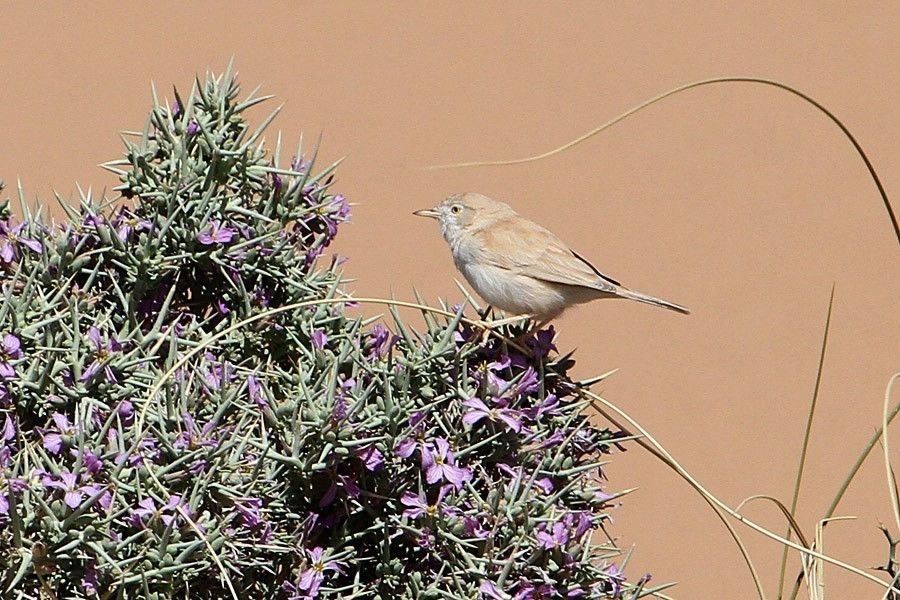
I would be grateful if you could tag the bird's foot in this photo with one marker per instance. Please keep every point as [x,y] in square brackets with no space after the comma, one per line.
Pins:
[490,326]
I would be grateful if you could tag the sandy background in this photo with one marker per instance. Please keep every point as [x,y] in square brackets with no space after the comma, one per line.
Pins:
[741,202]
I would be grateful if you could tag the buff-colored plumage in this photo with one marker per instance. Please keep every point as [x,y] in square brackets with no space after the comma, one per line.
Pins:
[518,266]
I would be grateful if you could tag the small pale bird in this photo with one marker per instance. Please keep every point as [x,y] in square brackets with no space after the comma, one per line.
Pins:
[518,266]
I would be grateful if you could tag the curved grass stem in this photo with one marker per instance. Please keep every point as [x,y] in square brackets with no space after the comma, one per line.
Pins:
[688,86]
[659,452]
[649,440]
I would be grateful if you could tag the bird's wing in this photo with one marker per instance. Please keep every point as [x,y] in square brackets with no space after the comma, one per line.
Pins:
[527,248]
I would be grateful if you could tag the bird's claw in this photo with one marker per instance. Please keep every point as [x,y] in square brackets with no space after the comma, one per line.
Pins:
[490,326]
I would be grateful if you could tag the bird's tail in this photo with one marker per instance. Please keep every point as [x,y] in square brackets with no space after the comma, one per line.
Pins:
[632,295]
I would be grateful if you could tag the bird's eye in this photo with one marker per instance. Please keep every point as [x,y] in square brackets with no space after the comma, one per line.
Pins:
[456,209]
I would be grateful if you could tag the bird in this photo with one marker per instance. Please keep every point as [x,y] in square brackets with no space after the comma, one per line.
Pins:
[518,266]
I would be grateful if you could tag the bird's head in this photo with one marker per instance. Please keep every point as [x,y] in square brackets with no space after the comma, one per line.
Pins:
[466,212]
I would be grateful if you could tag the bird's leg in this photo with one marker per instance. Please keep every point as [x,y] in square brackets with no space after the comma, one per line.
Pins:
[490,326]
[484,313]
[485,326]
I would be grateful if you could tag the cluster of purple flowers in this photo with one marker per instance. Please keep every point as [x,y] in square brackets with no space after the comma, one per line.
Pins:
[505,441]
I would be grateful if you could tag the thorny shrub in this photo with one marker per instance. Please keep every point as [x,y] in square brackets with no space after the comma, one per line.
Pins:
[152,448]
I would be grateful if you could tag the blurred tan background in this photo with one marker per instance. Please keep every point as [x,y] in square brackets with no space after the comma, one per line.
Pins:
[739,201]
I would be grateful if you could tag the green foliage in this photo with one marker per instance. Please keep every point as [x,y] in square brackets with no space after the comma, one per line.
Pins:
[191,410]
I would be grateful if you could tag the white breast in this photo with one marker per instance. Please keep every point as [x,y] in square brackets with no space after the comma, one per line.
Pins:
[510,292]
[501,288]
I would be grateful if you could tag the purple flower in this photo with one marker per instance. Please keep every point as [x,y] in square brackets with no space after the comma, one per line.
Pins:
[319,339]
[146,449]
[545,484]
[277,183]
[339,412]
[250,517]
[379,343]
[347,384]
[192,128]
[92,221]
[330,212]
[587,440]
[549,406]
[9,430]
[441,464]
[542,342]
[526,384]
[89,582]
[222,306]
[419,506]
[193,437]
[12,485]
[479,410]
[495,385]
[405,447]
[40,478]
[514,472]
[557,536]
[503,362]
[464,333]
[489,590]
[554,439]
[473,528]
[54,440]
[74,494]
[340,208]
[614,581]
[426,539]
[249,511]
[11,236]
[216,234]
[126,223]
[298,165]
[169,513]
[312,577]
[372,458]
[125,410]
[104,352]
[602,496]
[254,389]
[145,511]
[581,521]
[92,463]
[261,297]
[528,591]
[218,374]
[10,349]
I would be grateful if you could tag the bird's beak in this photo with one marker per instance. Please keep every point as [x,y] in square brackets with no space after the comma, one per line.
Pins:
[427,212]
